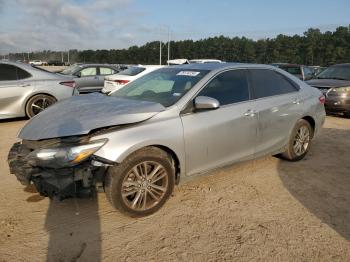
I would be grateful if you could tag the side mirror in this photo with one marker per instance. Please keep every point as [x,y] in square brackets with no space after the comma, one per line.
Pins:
[78,74]
[206,103]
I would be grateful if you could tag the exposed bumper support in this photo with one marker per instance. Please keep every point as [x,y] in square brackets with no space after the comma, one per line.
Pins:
[60,183]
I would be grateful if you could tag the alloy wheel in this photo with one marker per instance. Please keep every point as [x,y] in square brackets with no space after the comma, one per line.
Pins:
[40,103]
[301,141]
[144,186]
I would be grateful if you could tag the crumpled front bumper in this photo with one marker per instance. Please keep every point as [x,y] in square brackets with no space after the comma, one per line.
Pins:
[60,183]
[18,166]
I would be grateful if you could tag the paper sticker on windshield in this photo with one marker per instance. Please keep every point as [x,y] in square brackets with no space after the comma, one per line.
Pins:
[188,73]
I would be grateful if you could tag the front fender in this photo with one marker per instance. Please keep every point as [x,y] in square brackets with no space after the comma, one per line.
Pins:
[122,142]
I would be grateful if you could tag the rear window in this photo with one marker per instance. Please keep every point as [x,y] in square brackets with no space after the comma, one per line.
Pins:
[132,71]
[11,72]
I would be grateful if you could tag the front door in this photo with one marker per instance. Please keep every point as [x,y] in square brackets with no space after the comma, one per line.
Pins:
[214,138]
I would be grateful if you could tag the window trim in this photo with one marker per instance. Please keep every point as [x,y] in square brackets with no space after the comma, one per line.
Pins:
[293,83]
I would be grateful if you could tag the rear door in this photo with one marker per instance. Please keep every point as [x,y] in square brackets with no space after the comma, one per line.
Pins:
[88,80]
[104,71]
[218,137]
[279,106]
[14,83]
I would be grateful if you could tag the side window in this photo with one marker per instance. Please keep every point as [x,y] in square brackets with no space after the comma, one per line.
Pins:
[22,74]
[89,71]
[106,71]
[228,87]
[8,72]
[270,83]
[307,71]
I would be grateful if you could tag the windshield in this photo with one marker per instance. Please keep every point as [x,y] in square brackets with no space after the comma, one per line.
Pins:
[335,72]
[165,86]
[70,70]
[132,71]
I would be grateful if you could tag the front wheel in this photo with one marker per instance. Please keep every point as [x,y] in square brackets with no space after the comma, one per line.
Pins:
[299,141]
[142,183]
[38,103]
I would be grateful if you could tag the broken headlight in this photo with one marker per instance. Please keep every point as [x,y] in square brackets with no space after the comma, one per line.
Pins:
[64,156]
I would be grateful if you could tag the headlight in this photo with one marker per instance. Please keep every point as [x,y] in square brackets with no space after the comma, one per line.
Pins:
[342,89]
[64,156]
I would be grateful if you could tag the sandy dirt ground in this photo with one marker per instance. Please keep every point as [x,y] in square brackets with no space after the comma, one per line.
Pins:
[262,210]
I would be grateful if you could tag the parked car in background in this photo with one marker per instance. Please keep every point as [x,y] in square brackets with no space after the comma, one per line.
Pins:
[36,62]
[334,82]
[302,72]
[55,63]
[164,128]
[90,77]
[180,61]
[115,82]
[317,69]
[203,61]
[26,90]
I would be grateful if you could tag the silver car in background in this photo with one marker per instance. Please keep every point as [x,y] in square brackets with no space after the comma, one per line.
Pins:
[26,90]
[164,128]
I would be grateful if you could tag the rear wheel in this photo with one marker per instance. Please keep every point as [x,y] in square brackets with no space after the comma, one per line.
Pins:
[347,114]
[299,141]
[141,184]
[38,103]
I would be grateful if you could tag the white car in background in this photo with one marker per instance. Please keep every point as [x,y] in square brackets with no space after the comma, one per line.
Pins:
[203,61]
[117,81]
[36,62]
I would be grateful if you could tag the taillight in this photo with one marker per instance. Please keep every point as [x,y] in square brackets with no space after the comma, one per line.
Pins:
[68,83]
[121,82]
[322,99]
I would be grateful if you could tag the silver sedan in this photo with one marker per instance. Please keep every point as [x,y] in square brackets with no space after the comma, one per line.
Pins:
[165,128]
[26,90]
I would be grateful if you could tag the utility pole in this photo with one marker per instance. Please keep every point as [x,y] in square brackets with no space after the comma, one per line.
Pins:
[168,44]
[68,57]
[160,52]
[62,56]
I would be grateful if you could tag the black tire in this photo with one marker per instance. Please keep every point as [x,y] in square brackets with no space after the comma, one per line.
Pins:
[291,154]
[118,176]
[347,114]
[38,103]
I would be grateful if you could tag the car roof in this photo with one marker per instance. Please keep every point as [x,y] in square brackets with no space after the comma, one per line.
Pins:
[344,64]
[287,64]
[91,64]
[217,66]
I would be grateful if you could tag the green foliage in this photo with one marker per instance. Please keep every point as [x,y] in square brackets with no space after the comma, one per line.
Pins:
[312,48]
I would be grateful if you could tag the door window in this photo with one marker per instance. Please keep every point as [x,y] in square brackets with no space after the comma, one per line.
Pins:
[89,71]
[228,87]
[11,72]
[270,83]
[106,71]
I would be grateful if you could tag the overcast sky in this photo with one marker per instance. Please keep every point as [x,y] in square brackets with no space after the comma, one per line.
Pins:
[32,25]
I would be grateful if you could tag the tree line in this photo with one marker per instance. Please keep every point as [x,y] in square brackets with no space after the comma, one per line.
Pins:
[312,48]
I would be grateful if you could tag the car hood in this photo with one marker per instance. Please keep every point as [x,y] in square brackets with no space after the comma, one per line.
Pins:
[328,83]
[79,115]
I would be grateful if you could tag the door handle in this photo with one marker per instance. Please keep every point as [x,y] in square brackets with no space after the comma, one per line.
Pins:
[296,101]
[250,113]
[24,85]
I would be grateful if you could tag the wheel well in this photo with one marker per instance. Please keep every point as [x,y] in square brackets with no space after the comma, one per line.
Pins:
[311,121]
[25,106]
[175,160]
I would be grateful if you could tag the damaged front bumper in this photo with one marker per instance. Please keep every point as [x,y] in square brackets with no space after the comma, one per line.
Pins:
[60,183]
